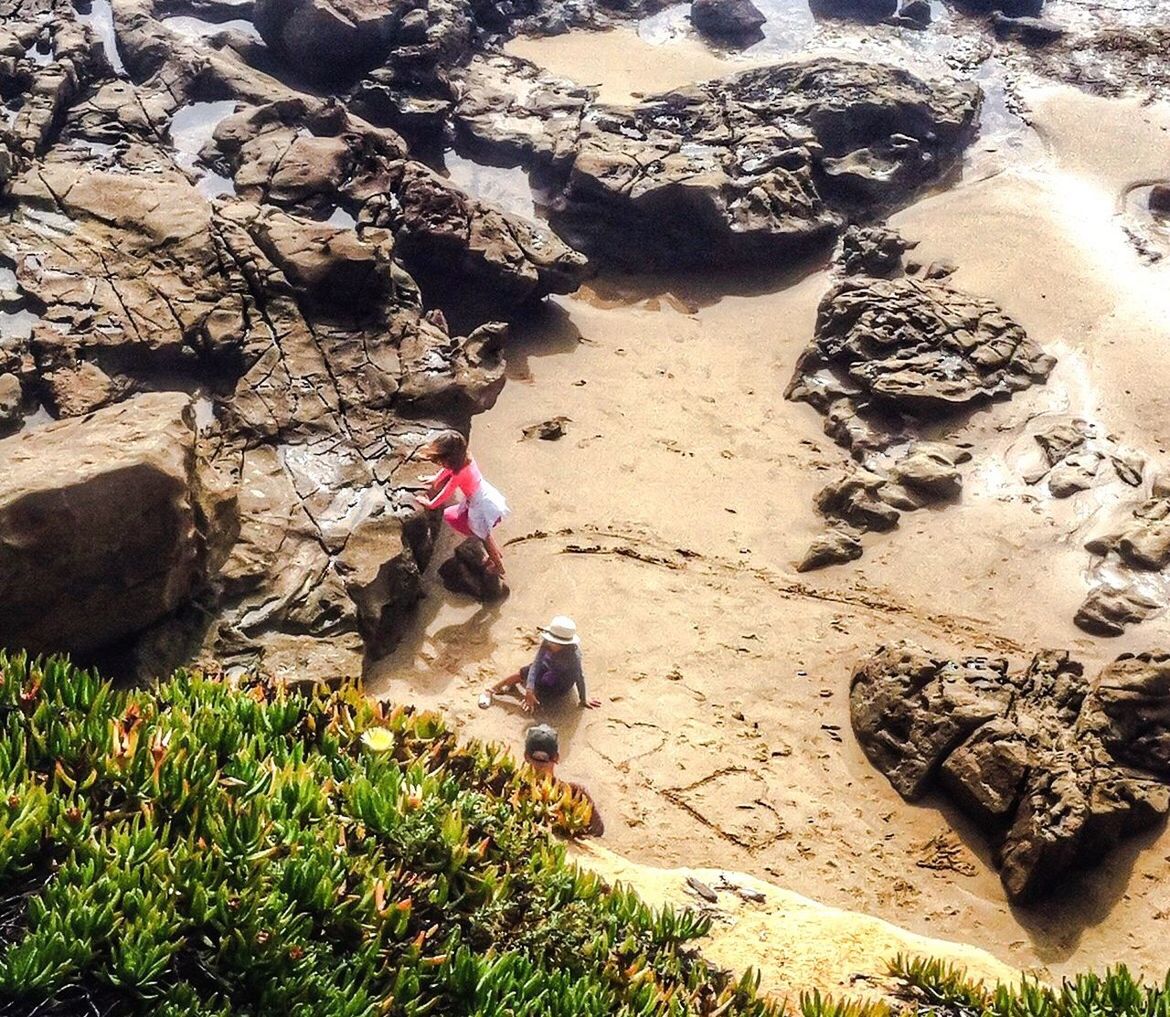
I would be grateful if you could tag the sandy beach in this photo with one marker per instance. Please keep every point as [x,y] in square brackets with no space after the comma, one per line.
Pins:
[668,519]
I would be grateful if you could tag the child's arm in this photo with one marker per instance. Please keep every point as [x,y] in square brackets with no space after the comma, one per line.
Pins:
[443,496]
[579,681]
[437,481]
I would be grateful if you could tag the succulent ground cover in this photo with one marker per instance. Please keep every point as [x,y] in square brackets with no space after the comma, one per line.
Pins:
[216,846]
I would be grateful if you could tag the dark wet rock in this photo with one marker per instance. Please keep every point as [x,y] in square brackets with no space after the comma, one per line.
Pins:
[1055,769]
[466,572]
[917,11]
[871,11]
[1029,31]
[873,250]
[100,527]
[836,546]
[919,346]
[765,165]
[337,41]
[1159,200]
[727,19]
[552,429]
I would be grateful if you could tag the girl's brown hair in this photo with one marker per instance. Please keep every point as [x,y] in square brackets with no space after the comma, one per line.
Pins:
[449,449]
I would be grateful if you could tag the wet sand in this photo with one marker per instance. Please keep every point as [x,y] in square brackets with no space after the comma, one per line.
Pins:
[668,519]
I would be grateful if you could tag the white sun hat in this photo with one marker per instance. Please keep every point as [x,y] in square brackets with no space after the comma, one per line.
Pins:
[561,630]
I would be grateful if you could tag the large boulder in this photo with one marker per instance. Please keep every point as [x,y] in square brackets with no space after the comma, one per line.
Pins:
[733,20]
[921,346]
[766,165]
[1054,768]
[100,528]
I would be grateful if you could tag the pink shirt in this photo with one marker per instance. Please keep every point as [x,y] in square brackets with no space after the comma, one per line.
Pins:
[466,480]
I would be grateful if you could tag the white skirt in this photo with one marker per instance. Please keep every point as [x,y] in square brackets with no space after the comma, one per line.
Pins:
[485,510]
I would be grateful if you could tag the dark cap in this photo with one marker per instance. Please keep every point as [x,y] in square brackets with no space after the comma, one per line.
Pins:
[540,743]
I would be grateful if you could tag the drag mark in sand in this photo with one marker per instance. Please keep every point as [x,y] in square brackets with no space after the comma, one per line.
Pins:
[648,551]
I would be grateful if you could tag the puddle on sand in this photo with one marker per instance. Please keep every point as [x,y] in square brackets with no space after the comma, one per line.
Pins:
[1151,228]
[196,29]
[505,187]
[99,15]
[191,128]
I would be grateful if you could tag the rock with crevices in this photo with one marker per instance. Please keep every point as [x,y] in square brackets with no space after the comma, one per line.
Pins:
[1054,768]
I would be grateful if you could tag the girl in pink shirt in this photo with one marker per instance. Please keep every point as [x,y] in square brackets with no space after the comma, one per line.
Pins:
[482,508]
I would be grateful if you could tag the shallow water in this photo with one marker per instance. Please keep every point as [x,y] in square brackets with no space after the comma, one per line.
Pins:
[190,130]
[100,17]
[342,219]
[505,187]
[40,54]
[197,29]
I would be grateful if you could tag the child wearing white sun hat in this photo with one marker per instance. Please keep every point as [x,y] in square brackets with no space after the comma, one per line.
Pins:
[554,670]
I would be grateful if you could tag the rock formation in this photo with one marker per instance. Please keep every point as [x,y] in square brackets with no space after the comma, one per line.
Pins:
[1055,769]
[261,379]
[767,165]
[103,527]
[889,355]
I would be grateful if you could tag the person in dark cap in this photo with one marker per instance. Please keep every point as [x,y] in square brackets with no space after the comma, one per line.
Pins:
[542,751]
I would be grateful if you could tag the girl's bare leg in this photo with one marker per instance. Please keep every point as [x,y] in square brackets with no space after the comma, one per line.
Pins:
[497,558]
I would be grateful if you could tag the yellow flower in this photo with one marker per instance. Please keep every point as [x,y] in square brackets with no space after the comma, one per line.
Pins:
[378,739]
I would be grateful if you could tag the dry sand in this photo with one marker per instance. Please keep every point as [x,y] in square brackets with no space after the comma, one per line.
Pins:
[668,519]
[795,944]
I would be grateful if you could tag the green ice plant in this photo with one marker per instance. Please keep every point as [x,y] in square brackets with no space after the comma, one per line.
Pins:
[210,846]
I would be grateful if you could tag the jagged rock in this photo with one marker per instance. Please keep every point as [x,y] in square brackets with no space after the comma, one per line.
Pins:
[920,346]
[552,429]
[100,528]
[1054,768]
[727,19]
[1029,31]
[1076,472]
[11,398]
[337,41]
[870,11]
[856,499]
[1108,609]
[1159,200]
[466,572]
[941,269]
[873,250]
[762,166]
[929,471]
[313,158]
[837,545]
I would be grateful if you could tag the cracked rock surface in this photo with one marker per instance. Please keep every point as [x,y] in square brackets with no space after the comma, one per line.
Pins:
[251,383]
[1053,767]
